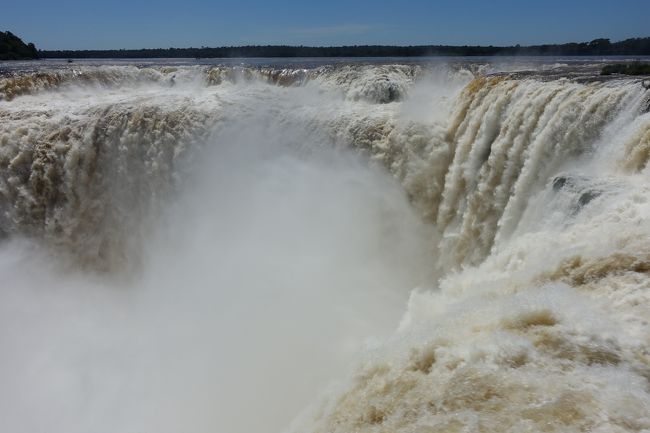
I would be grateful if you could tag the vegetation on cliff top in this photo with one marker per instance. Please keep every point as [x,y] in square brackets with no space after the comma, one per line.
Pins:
[636,68]
[13,48]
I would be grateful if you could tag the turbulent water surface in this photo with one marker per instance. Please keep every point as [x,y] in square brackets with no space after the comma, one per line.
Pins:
[324,247]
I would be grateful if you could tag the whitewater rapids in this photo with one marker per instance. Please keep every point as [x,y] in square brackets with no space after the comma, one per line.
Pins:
[334,249]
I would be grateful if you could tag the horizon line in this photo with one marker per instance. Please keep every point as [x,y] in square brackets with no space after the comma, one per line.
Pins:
[431,45]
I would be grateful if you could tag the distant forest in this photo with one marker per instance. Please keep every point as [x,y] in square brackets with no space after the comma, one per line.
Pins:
[13,48]
[597,47]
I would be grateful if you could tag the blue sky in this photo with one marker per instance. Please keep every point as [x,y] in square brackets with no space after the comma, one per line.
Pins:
[77,24]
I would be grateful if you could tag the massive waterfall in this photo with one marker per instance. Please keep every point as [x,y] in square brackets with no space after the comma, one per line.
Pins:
[336,248]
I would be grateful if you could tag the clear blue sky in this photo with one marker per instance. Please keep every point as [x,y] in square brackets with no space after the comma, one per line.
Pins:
[87,24]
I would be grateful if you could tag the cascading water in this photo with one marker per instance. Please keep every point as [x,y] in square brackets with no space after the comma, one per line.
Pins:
[192,248]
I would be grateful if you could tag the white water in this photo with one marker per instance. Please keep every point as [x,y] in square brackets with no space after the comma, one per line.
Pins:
[205,250]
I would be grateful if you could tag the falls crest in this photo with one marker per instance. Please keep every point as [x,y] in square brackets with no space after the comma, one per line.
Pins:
[67,174]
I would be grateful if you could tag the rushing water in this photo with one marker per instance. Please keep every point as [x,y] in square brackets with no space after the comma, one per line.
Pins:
[312,246]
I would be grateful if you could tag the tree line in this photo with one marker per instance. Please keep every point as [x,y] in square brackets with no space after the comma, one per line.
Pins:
[12,48]
[599,47]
